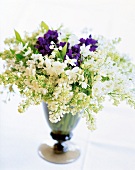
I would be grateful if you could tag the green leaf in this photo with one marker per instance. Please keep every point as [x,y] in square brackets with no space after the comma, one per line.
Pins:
[105,78]
[63,51]
[18,37]
[44,25]
[19,57]
[57,53]
[60,27]
[12,51]
[11,88]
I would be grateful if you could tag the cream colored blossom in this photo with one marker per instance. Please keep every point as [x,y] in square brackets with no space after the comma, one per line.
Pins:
[70,61]
[72,74]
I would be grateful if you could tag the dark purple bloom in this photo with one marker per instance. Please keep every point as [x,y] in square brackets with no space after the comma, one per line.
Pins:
[62,44]
[51,35]
[89,41]
[76,48]
[93,48]
[69,53]
[82,41]
[76,56]
[43,43]
[73,52]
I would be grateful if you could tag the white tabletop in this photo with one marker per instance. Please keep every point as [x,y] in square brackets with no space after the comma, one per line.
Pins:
[112,145]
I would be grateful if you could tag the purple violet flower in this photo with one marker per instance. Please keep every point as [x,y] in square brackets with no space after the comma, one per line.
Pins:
[89,41]
[73,52]
[44,43]
[76,48]
[93,48]
[82,41]
[62,44]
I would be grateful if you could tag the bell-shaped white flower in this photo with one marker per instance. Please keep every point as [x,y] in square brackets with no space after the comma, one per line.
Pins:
[72,74]
[19,47]
[70,61]
[73,39]
[85,50]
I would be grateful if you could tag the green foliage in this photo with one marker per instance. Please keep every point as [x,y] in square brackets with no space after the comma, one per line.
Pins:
[19,57]
[61,54]
[57,54]
[18,37]
[105,78]
[44,26]
[64,50]
[12,51]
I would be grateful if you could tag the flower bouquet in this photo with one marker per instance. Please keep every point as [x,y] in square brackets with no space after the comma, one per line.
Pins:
[71,75]
[68,72]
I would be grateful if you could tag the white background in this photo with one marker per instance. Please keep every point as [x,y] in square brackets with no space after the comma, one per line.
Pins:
[112,145]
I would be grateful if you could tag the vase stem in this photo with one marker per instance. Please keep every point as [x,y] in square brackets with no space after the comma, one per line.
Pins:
[60,147]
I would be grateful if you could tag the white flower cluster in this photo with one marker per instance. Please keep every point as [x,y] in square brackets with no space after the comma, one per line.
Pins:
[65,86]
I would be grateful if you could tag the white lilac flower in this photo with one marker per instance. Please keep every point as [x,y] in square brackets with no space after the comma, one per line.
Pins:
[29,51]
[70,61]
[85,50]
[90,63]
[30,63]
[21,63]
[51,47]
[72,74]
[81,77]
[48,62]
[54,68]
[36,57]
[44,91]
[53,54]
[52,43]
[30,71]
[73,39]
[60,48]
[56,49]
[83,84]
[63,33]
[19,47]
[58,67]
[40,64]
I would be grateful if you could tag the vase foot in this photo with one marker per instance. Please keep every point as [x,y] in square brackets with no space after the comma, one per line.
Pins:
[47,152]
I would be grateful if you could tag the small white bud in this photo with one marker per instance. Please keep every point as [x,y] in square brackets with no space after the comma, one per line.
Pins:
[60,48]
[51,47]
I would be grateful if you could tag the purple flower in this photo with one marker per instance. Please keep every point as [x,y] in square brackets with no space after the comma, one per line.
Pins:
[62,44]
[69,53]
[43,43]
[74,53]
[89,41]
[76,48]
[82,41]
[51,35]
[93,48]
